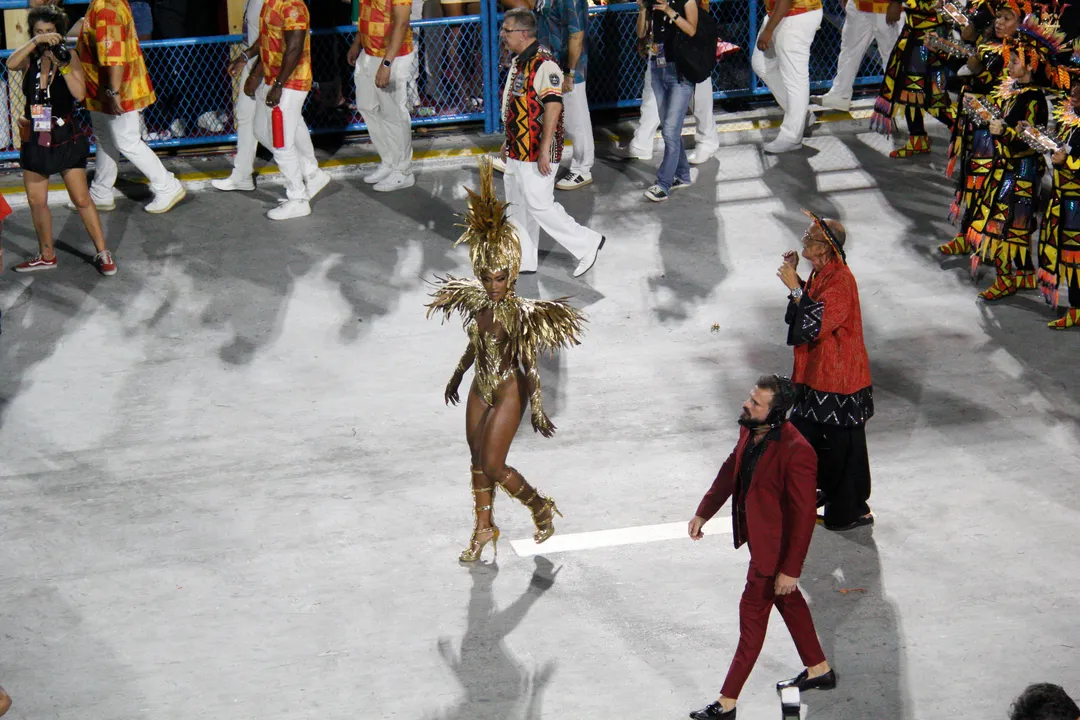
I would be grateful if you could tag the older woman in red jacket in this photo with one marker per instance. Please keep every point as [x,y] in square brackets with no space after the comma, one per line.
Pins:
[835,396]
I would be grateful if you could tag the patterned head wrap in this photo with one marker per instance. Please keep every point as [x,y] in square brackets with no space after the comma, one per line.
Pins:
[493,243]
[830,237]
[1039,41]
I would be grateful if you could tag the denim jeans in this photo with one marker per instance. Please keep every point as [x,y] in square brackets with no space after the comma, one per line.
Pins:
[673,98]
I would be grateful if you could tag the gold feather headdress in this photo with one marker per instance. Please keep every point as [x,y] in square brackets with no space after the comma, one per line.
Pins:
[493,243]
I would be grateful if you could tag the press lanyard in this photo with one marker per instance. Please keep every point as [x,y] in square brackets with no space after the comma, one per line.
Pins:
[41,112]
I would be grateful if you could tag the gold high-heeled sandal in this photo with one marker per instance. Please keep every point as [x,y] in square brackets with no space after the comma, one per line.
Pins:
[476,546]
[544,528]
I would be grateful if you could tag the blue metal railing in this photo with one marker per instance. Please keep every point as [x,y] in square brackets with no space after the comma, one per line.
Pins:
[459,77]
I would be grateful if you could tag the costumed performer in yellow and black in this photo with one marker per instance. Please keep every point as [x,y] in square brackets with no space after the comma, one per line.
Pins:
[507,333]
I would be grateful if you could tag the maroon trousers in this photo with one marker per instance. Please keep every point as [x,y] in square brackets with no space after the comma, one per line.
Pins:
[757,602]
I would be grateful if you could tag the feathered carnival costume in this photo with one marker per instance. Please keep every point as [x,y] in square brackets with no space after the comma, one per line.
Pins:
[1059,247]
[528,329]
[1004,219]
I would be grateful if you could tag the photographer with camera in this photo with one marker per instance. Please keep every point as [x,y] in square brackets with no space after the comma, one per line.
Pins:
[53,85]
[661,23]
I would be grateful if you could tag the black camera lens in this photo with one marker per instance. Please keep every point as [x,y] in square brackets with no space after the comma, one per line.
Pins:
[61,53]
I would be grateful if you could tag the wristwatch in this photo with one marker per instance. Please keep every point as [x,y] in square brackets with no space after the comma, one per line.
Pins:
[387,63]
[111,93]
[795,294]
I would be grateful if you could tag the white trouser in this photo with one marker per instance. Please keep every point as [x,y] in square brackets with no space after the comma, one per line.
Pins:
[246,144]
[532,206]
[785,68]
[386,110]
[578,126]
[119,134]
[860,28]
[296,160]
[705,132]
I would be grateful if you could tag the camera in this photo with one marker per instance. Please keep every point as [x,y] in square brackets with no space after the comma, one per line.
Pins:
[61,53]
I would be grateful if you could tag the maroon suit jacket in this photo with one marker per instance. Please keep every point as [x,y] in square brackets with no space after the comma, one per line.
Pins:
[781,505]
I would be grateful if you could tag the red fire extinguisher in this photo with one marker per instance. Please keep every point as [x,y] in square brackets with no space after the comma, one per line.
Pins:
[279,127]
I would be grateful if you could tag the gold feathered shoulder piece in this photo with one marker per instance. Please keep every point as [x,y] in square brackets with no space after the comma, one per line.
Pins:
[533,326]
[463,296]
[543,326]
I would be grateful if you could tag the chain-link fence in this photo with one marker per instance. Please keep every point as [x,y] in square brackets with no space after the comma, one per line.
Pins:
[459,72]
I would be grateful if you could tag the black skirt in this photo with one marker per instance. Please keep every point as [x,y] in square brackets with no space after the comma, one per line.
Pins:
[69,150]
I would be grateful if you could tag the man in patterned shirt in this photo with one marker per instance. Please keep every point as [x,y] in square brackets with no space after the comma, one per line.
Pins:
[532,115]
[782,59]
[284,50]
[385,66]
[117,89]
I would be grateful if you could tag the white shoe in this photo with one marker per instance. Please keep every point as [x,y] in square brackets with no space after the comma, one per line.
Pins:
[781,146]
[590,259]
[101,205]
[316,183]
[290,209]
[211,122]
[234,182]
[811,120]
[574,180]
[378,174]
[832,103]
[639,154]
[498,164]
[396,181]
[702,155]
[167,201]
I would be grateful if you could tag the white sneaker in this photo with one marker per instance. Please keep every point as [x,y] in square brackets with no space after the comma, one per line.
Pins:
[590,259]
[781,146]
[234,182]
[640,153]
[702,155]
[832,103]
[166,201]
[290,209]
[396,181]
[101,205]
[574,180]
[498,164]
[211,122]
[378,174]
[316,183]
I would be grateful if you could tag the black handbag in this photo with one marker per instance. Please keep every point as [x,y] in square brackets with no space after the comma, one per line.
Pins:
[695,56]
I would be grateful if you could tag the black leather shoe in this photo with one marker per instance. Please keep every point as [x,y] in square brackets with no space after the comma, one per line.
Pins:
[804,682]
[820,499]
[713,712]
[867,519]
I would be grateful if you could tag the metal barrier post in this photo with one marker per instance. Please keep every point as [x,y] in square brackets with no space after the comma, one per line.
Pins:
[753,43]
[488,36]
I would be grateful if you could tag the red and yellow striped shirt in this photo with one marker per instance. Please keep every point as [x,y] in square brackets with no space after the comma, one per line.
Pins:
[109,39]
[798,7]
[374,22]
[279,16]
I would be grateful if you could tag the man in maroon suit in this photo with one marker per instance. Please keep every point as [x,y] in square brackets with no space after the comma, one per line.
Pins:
[772,476]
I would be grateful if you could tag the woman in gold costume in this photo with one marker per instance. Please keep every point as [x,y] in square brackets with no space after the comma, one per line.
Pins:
[507,333]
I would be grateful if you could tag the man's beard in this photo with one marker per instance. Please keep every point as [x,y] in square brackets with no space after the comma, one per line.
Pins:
[748,422]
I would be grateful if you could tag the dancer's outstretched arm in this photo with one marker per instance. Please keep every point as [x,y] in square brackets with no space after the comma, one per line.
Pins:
[540,421]
[466,361]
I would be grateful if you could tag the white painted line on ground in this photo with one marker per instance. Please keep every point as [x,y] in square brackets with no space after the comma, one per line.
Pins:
[608,538]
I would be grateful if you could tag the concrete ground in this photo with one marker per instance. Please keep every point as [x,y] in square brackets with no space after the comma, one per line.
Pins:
[230,487]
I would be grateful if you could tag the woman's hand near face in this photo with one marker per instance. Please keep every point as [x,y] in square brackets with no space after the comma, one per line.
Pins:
[50,39]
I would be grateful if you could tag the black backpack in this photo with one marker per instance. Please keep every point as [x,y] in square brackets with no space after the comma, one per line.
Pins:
[695,57]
